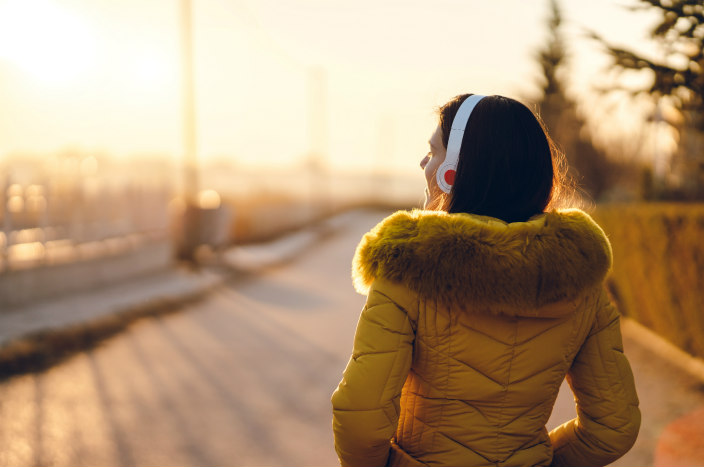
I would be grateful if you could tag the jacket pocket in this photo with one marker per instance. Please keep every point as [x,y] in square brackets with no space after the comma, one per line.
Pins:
[400,458]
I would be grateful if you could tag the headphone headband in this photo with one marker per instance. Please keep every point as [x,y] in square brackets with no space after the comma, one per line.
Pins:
[445,175]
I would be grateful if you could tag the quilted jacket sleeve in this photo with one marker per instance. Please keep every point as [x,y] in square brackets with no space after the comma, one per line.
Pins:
[366,402]
[608,418]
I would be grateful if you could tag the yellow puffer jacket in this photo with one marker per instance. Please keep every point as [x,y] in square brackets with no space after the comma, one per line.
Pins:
[470,327]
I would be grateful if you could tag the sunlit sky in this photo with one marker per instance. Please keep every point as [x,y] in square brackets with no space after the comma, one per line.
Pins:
[104,75]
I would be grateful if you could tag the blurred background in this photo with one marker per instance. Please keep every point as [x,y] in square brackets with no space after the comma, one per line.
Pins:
[311,100]
[136,136]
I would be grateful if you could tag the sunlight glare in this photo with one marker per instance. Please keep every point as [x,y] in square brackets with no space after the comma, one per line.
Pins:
[47,42]
[152,68]
[209,199]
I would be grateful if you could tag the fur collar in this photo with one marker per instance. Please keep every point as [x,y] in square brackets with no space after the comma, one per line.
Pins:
[521,269]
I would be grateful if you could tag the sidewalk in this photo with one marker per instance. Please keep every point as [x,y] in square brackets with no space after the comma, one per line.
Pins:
[172,284]
[670,386]
[670,383]
[38,335]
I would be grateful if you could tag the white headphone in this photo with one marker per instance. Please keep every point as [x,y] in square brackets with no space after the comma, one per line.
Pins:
[445,174]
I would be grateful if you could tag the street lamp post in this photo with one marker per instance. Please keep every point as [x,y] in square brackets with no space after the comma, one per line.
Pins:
[189,232]
[190,176]
[318,165]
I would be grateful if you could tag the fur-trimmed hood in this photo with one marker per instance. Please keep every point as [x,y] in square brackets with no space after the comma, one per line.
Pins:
[524,268]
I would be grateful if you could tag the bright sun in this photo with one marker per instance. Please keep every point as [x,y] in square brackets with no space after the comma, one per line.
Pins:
[149,67]
[48,42]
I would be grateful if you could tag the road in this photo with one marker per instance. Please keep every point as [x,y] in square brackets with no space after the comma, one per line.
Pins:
[241,378]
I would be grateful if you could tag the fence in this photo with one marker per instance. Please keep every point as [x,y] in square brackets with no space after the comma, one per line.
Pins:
[76,221]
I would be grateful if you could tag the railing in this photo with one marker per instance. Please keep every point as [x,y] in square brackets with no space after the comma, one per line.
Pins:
[52,218]
[55,215]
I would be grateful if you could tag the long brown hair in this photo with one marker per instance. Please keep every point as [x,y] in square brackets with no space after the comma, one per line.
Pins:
[508,168]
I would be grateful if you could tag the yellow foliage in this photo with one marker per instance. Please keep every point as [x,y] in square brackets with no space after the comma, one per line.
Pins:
[658,272]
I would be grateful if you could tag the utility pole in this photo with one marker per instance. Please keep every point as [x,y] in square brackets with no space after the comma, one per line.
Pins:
[317,132]
[317,116]
[382,178]
[190,175]
[190,221]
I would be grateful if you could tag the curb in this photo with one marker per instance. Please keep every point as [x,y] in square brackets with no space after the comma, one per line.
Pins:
[663,348]
[259,256]
[41,349]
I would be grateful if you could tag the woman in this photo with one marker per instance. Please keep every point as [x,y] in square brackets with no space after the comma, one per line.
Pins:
[479,306]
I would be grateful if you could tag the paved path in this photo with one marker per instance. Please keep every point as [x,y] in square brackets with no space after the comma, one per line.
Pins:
[243,378]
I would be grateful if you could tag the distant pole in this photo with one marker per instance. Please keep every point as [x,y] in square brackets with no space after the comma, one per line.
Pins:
[190,175]
[189,236]
[384,160]
[317,126]
[317,103]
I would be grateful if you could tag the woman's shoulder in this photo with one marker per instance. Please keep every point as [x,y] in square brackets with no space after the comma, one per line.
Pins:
[464,257]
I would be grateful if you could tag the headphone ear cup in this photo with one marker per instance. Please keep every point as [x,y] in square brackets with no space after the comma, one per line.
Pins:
[445,177]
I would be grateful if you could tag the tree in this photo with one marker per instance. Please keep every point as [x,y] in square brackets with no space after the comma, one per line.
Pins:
[588,165]
[554,104]
[679,78]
